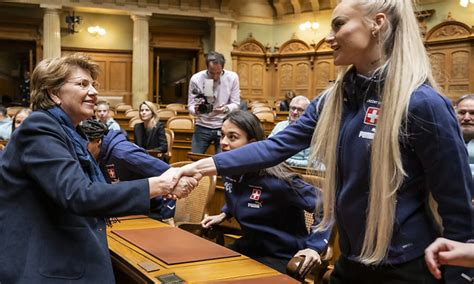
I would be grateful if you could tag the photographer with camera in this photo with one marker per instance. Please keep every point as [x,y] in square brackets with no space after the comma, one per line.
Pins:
[213,93]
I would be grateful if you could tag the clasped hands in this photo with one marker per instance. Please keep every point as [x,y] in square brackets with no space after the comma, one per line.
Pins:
[172,184]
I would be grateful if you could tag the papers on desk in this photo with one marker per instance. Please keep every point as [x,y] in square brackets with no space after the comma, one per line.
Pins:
[173,245]
[280,279]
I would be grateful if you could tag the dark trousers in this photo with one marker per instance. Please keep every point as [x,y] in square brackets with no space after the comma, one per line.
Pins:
[413,272]
[203,137]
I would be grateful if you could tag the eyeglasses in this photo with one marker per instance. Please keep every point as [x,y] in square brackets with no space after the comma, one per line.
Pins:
[297,109]
[86,84]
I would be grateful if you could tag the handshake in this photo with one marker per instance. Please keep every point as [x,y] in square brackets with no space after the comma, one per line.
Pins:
[175,183]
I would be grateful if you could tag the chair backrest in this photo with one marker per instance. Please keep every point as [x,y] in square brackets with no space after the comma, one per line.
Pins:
[193,208]
[180,122]
[134,121]
[176,106]
[111,113]
[261,109]
[165,114]
[317,182]
[132,113]
[170,140]
[268,116]
[122,108]
[11,111]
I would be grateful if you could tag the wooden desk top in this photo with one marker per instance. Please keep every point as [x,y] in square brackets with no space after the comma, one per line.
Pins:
[138,261]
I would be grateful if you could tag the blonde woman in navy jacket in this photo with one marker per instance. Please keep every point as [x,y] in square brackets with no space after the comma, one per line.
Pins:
[389,141]
[268,204]
[54,201]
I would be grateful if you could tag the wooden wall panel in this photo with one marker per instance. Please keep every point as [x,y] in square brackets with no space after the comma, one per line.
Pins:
[450,47]
[250,60]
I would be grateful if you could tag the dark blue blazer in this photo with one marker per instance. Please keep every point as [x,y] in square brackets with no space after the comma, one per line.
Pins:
[52,227]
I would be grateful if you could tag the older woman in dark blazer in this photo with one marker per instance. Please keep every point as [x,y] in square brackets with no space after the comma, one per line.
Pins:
[54,201]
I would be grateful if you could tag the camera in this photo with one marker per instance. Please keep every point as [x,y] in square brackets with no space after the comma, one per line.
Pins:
[203,105]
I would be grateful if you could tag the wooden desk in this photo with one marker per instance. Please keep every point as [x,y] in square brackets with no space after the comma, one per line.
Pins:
[126,258]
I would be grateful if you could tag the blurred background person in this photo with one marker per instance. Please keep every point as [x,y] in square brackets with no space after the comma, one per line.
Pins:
[465,113]
[19,117]
[285,104]
[121,160]
[5,124]
[297,106]
[225,98]
[150,134]
[54,201]
[102,114]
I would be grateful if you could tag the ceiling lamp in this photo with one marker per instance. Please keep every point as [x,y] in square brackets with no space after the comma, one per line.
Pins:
[465,3]
[312,25]
[96,31]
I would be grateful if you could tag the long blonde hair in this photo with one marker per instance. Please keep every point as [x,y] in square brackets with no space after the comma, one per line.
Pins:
[154,113]
[406,67]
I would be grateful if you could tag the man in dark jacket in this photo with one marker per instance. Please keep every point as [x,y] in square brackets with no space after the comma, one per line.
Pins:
[121,160]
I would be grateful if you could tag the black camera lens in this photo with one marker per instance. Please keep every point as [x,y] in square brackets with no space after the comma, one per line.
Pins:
[205,108]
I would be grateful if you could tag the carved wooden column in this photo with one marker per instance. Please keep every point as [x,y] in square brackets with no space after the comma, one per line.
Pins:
[140,64]
[51,31]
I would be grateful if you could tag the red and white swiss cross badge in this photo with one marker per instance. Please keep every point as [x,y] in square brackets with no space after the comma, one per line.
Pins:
[371,115]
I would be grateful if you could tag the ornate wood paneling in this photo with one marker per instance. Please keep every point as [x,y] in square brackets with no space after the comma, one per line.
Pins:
[324,69]
[294,64]
[451,49]
[250,60]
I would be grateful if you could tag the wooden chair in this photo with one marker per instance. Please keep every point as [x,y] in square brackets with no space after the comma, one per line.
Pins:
[134,121]
[121,108]
[165,114]
[111,113]
[131,113]
[268,116]
[192,209]
[11,111]
[321,273]
[176,106]
[170,140]
[261,109]
[180,122]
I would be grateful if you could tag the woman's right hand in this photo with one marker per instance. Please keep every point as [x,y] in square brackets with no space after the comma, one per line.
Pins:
[212,220]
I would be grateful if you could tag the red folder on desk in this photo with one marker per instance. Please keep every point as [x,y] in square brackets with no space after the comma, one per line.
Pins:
[173,245]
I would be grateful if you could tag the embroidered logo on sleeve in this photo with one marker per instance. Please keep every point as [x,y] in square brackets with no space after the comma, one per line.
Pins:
[371,115]
[228,187]
[112,173]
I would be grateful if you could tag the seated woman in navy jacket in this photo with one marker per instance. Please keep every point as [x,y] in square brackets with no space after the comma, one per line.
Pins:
[268,204]
[150,134]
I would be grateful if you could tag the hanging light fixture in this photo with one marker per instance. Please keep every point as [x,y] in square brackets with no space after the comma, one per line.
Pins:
[310,26]
[96,31]
[465,3]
